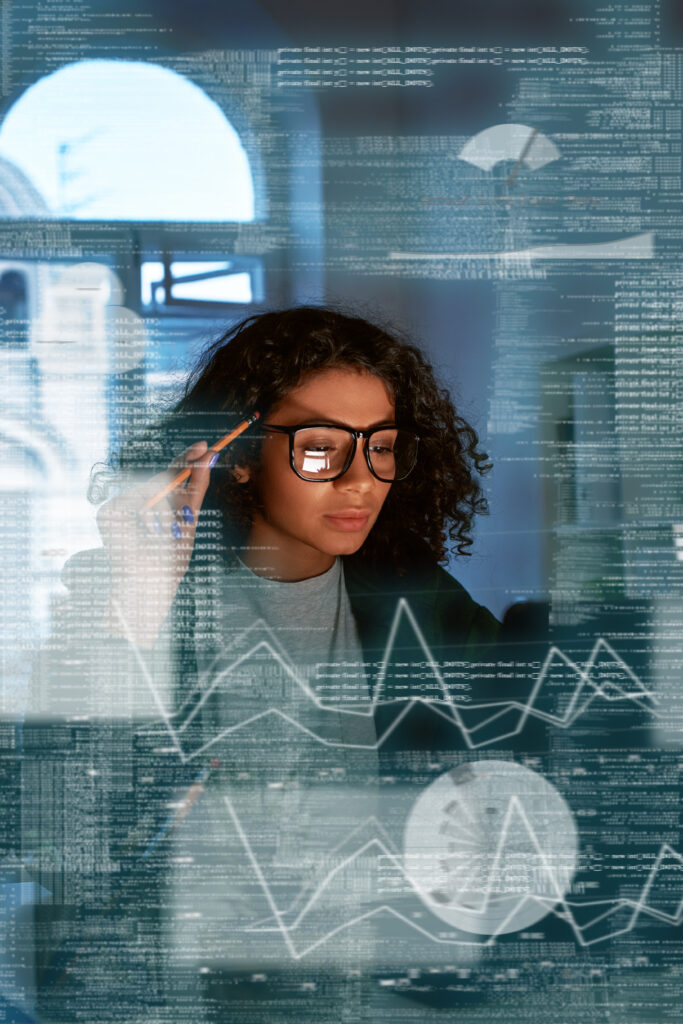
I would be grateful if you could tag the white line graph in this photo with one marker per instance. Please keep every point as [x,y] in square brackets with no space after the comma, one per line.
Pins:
[377,833]
[586,691]
[557,904]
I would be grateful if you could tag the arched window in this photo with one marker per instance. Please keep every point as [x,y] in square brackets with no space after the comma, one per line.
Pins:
[128,140]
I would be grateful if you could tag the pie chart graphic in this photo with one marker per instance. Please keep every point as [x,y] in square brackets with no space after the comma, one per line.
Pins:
[491,847]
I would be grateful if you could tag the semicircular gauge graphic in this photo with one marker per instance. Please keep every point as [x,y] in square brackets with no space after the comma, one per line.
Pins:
[491,847]
[509,142]
[528,147]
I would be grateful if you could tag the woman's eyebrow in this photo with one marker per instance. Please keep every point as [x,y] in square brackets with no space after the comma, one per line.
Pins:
[328,422]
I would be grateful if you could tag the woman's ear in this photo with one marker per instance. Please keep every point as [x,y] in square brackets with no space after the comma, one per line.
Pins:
[242,474]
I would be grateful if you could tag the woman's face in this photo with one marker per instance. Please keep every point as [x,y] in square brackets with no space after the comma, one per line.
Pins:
[304,525]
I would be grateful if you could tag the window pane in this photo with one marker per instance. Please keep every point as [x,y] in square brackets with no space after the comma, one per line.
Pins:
[228,287]
[231,288]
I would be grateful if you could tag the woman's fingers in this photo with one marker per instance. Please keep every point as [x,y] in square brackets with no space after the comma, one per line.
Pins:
[162,486]
[175,512]
[195,451]
[185,500]
[197,485]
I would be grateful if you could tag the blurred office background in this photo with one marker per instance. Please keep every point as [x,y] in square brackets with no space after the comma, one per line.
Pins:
[167,169]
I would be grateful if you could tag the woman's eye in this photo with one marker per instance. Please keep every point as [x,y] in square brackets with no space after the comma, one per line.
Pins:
[380,449]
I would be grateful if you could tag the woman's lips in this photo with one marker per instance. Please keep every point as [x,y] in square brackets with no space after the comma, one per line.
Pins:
[348,521]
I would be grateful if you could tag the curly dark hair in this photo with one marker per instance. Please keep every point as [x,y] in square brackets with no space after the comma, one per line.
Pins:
[257,362]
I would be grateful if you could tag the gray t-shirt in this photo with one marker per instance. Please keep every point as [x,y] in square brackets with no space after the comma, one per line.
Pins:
[311,619]
[290,648]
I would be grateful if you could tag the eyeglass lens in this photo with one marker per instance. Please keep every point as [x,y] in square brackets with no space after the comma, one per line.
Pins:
[321,452]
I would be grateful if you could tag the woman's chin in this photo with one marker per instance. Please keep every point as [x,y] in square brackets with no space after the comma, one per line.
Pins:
[348,544]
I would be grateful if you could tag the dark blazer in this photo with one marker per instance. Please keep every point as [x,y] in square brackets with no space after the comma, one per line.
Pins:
[444,610]
[431,617]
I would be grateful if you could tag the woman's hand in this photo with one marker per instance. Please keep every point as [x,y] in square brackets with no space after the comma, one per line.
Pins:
[149,550]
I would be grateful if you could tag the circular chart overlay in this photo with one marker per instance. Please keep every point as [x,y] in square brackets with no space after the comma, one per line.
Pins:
[491,847]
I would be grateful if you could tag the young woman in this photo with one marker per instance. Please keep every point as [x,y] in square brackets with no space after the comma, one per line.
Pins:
[358,454]
[256,613]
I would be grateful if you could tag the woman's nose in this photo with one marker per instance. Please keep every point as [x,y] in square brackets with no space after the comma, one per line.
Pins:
[358,474]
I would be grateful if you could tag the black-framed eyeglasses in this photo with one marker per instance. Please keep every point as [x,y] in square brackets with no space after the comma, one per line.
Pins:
[320,452]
